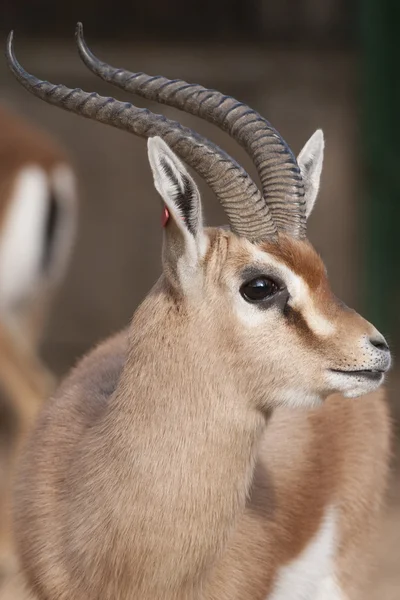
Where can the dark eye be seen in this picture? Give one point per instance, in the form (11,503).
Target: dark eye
(259,289)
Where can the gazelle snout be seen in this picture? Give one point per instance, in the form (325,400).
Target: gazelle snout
(363,367)
(379,342)
(381,352)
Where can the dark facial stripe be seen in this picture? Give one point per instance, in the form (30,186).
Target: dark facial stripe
(296,320)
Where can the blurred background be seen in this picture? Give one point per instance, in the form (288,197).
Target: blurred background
(303,64)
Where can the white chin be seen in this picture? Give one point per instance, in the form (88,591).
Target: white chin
(352,386)
(294,398)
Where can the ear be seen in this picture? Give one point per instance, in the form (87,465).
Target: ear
(184,236)
(310,162)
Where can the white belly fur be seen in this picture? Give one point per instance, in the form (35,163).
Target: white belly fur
(311,575)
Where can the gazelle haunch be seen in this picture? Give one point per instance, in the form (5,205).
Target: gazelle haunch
(172,463)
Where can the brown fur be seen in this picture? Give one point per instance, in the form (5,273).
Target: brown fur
(301,259)
(157,470)
(23,143)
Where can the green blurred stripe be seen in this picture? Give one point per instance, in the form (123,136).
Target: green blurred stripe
(380,106)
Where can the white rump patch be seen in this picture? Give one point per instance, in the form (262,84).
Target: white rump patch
(22,235)
(311,575)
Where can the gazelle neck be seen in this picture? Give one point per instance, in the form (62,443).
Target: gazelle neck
(187,442)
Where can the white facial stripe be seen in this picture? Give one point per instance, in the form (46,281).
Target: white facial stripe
(301,297)
(302,300)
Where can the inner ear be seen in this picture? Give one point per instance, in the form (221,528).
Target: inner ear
(310,162)
(176,187)
(184,194)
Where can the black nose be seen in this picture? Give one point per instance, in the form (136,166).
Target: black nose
(380,343)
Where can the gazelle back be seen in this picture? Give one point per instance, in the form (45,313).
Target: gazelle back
(164,466)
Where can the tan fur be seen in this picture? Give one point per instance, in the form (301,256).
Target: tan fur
(25,382)
(336,454)
(161,470)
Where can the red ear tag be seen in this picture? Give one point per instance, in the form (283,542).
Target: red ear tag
(165,217)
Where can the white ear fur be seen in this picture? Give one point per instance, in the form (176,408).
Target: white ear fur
(176,187)
(310,162)
(185,240)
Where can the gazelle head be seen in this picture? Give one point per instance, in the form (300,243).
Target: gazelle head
(268,301)
(257,290)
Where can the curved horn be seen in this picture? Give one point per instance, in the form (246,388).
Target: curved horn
(246,209)
(277,167)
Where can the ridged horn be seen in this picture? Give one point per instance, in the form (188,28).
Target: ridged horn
(247,212)
(276,165)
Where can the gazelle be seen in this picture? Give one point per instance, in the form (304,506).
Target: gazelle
(174,462)
(37,224)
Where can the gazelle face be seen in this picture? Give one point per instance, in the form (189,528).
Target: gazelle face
(291,334)
(265,308)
